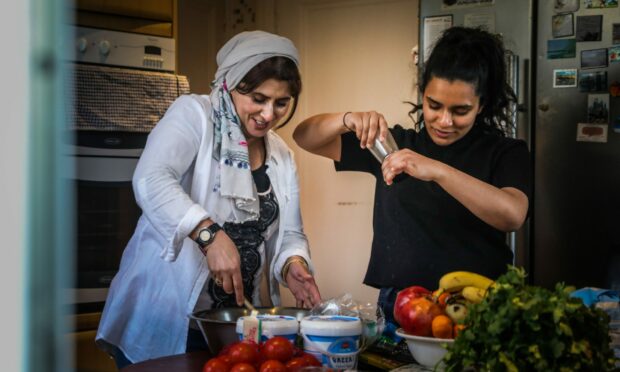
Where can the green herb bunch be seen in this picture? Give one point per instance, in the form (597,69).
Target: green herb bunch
(527,328)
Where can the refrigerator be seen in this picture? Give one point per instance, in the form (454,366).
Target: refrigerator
(562,61)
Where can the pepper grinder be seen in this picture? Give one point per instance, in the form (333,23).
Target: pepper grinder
(381,149)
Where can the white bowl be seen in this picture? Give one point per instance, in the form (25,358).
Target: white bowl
(427,351)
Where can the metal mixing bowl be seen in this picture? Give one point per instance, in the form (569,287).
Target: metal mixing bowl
(218,326)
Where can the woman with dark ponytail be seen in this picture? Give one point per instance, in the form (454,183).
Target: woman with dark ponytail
(466,183)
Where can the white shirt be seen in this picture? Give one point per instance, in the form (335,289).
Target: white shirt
(162,270)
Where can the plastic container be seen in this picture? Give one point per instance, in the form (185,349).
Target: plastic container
(332,339)
(273,325)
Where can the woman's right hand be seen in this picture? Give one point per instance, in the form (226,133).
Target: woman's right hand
(225,265)
(367,126)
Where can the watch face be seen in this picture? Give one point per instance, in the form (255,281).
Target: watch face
(204,235)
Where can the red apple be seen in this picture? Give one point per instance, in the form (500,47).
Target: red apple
(405,295)
(416,316)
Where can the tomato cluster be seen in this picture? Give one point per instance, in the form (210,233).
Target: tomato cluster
(277,354)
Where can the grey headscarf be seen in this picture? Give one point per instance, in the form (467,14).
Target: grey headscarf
(236,58)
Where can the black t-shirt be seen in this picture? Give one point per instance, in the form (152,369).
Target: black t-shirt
(420,231)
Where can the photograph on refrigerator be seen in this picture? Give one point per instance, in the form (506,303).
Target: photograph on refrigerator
(594,58)
(565,78)
(562,25)
(588,132)
(592,81)
(598,108)
(594,4)
(615,33)
(589,28)
(564,6)
(614,54)
(561,48)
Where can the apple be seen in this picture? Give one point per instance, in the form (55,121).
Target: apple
(457,312)
(416,316)
(405,295)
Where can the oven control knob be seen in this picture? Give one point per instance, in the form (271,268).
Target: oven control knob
(82,45)
(104,47)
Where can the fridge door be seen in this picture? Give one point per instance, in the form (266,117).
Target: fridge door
(577,184)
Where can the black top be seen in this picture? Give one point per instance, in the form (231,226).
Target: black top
(420,231)
(248,237)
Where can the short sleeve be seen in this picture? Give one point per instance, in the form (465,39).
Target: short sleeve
(513,167)
(353,157)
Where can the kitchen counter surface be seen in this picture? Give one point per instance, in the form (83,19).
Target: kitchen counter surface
(189,362)
(193,362)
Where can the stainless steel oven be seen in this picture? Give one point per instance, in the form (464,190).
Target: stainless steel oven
(122,85)
(106,209)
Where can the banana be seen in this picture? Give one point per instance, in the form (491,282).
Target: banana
(457,280)
(473,294)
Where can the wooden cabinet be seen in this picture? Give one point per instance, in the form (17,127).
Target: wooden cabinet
(87,356)
(151,17)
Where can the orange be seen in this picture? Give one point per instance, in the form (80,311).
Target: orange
(458,328)
(442,300)
(442,326)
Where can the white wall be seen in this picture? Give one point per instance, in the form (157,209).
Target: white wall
(355,55)
(13,131)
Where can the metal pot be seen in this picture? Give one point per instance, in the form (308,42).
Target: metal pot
(218,326)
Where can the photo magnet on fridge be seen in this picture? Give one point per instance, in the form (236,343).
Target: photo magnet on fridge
(565,78)
(594,58)
(594,4)
(562,25)
(598,108)
(561,48)
(615,33)
(592,81)
(587,132)
(589,28)
(614,54)
(565,6)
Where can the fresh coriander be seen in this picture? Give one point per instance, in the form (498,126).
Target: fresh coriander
(527,328)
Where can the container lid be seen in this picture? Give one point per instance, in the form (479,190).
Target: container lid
(273,324)
(331,325)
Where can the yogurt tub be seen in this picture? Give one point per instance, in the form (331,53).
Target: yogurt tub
(332,339)
(273,325)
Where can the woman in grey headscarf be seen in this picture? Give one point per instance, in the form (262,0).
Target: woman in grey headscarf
(220,200)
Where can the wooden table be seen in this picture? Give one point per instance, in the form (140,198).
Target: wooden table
(189,362)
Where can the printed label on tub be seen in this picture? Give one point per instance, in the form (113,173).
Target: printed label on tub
(333,340)
(270,326)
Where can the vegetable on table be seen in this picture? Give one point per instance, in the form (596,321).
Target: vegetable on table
(518,327)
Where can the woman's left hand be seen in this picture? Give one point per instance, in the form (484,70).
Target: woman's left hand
(412,163)
(302,285)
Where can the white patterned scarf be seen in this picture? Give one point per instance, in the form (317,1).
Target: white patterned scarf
(238,56)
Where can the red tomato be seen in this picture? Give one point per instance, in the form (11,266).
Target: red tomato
(226,358)
(311,360)
(243,352)
(405,295)
(272,365)
(278,348)
(416,316)
(242,367)
(296,364)
(216,365)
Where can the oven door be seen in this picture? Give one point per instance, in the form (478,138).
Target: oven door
(107,212)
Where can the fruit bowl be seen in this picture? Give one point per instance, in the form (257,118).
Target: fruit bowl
(427,351)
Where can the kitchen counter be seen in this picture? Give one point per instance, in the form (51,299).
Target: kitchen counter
(193,362)
(189,362)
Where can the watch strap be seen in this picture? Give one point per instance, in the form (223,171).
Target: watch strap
(212,229)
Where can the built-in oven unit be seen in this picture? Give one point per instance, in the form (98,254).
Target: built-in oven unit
(122,84)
